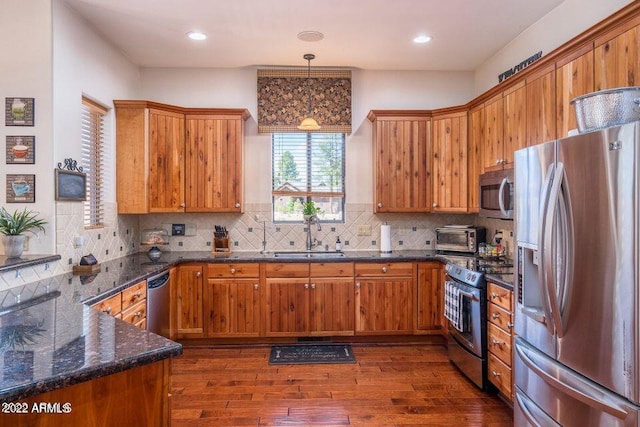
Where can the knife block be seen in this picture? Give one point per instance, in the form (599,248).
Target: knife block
(221,245)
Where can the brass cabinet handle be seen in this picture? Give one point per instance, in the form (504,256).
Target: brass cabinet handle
(256,286)
(233,271)
(379,204)
(384,269)
(495,374)
(496,342)
(137,314)
(198,274)
(237,205)
(495,295)
(495,315)
(306,286)
(108,310)
(435,205)
(182,205)
(137,295)
(313,286)
(358,285)
(509,325)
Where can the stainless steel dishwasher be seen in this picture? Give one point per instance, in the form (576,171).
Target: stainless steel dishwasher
(158,304)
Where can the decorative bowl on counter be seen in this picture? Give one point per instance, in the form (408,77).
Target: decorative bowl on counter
(154,237)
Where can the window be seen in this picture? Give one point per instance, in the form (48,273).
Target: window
(307,167)
(92,134)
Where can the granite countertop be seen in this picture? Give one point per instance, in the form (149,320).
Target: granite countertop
(8,264)
(64,341)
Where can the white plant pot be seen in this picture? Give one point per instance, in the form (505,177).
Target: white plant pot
(13,245)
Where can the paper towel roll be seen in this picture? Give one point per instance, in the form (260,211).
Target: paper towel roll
(385,238)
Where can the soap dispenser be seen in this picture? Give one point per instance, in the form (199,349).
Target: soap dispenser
(338,244)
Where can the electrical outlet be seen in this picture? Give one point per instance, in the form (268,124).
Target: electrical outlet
(364,230)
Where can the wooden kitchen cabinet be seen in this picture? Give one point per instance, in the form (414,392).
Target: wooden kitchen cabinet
(515,129)
(449,191)
(402,157)
(617,57)
(475,141)
(214,181)
(187,309)
(493,145)
(233,300)
(574,77)
(430,299)
(174,159)
(129,305)
(384,298)
(500,338)
(541,106)
(314,299)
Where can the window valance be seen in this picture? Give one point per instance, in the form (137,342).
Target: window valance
(282,100)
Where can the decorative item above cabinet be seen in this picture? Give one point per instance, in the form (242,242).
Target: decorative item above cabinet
(175,159)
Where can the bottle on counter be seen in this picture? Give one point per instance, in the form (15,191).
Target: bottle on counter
(338,244)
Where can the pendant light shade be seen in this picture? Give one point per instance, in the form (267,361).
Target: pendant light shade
(309,123)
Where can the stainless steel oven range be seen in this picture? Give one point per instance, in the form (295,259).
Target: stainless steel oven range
(466,311)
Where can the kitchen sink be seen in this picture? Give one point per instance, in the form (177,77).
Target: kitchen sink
(305,254)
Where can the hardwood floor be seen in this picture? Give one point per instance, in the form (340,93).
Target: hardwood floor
(408,385)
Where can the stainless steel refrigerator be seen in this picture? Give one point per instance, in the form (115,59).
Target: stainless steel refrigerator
(577,322)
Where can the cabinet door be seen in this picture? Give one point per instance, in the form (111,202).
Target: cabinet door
(384,306)
(214,163)
(493,147)
(188,301)
(515,111)
(166,161)
(450,163)
(402,175)
(474,157)
(617,57)
(541,106)
(430,299)
(574,77)
(332,306)
(233,307)
(287,307)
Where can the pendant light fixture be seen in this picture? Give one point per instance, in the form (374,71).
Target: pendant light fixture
(309,123)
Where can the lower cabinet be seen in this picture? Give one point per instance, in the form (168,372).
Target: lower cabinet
(232,300)
(500,338)
(430,298)
(384,298)
(304,300)
(187,318)
(129,305)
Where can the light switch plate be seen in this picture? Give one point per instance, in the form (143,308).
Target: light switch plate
(364,230)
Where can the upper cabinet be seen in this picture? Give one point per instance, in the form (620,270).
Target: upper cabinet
(173,159)
(574,77)
(474,156)
(493,146)
(617,57)
(541,106)
(515,114)
(450,183)
(402,153)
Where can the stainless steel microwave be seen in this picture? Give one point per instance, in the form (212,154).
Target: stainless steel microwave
(496,194)
(459,238)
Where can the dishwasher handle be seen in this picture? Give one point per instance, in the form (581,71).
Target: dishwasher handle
(157,281)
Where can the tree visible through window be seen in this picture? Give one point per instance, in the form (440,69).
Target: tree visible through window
(308,166)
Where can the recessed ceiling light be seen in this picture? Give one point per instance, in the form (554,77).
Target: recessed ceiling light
(196,35)
(422,39)
(310,36)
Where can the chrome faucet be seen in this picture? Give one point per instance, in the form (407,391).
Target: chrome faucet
(311,242)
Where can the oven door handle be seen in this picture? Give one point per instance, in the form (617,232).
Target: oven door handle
(469,295)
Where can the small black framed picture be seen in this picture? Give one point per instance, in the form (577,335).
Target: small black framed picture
(19,111)
(21,150)
(70,185)
(21,188)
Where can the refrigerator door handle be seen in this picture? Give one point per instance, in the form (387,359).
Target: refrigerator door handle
(544,202)
(536,416)
(503,210)
(569,383)
(550,256)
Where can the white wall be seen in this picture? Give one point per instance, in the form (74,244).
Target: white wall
(25,71)
(236,88)
(554,29)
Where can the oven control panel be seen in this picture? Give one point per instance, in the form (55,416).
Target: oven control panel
(456,272)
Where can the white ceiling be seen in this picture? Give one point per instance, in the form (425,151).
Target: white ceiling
(366,34)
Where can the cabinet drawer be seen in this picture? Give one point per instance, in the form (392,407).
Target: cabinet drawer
(331,269)
(384,269)
(500,375)
(287,269)
(499,295)
(499,343)
(134,294)
(112,305)
(217,271)
(136,312)
(500,317)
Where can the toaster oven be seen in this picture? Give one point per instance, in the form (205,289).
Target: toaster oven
(460,238)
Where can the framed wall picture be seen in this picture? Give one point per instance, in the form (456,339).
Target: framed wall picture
(21,150)
(19,111)
(21,188)
(71,185)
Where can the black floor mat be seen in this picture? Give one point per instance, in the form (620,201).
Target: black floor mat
(311,354)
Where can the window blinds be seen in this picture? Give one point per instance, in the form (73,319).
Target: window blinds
(92,135)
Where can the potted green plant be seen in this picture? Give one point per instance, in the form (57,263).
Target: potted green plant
(14,225)
(310,211)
